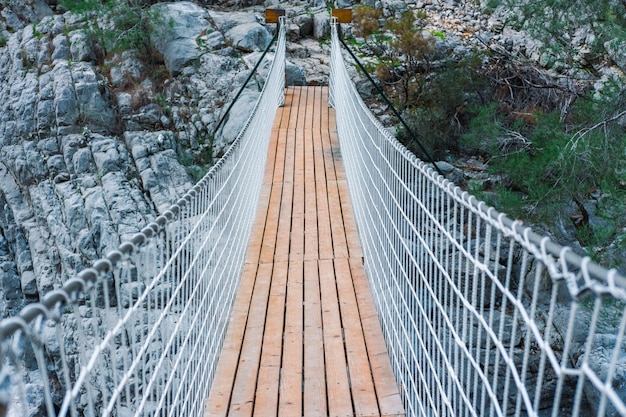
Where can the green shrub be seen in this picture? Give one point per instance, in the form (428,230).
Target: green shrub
(120,25)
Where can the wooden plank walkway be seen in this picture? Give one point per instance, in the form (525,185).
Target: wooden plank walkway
(303,337)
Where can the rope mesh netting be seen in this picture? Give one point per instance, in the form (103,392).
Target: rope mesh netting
(481,316)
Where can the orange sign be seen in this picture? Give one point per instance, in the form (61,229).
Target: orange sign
(343,15)
(272,15)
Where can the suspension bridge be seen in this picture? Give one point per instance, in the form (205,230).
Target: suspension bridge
(321,269)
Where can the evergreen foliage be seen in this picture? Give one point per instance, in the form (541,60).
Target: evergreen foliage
(547,144)
(119,25)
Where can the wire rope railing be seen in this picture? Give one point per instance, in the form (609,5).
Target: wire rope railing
(481,316)
(139,333)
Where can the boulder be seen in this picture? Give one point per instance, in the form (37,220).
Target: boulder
(159,170)
(615,50)
(212,41)
(178,44)
(321,25)
(81,46)
(61,48)
(294,74)
(305,25)
(239,114)
(226,21)
(600,361)
(249,37)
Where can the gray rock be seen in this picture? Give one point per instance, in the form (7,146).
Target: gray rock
(65,101)
(249,37)
(451,172)
(28,283)
(94,107)
(10,281)
(81,46)
(128,70)
(226,21)
(600,359)
(178,44)
(109,154)
(11,20)
(159,170)
(294,74)
(45,115)
(617,53)
(35,399)
(305,25)
(237,118)
(61,48)
(321,25)
(82,161)
(212,41)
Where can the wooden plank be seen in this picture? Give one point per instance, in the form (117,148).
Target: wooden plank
(266,398)
(340,172)
(328,125)
(222,387)
(294,94)
(340,245)
(310,224)
(278,155)
(334,170)
(338,386)
(290,400)
(258,228)
(282,114)
(314,396)
(286,207)
(310,199)
(271,226)
(349,222)
(320,105)
(244,388)
(301,123)
(363,392)
(389,400)
(325,245)
(296,249)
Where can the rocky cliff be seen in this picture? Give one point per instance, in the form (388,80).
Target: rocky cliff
(93,147)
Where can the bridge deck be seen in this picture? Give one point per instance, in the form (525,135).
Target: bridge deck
(303,338)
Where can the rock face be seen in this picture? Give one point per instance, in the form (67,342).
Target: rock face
(184,22)
(90,154)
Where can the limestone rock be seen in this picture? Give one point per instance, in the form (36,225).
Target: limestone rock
(321,25)
(249,37)
(178,43)
(616,52)
(225,21)
(81,46)
(238,116)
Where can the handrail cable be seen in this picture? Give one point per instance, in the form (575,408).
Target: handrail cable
(256,66)
(139,333)
(481,316)
(380,91)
